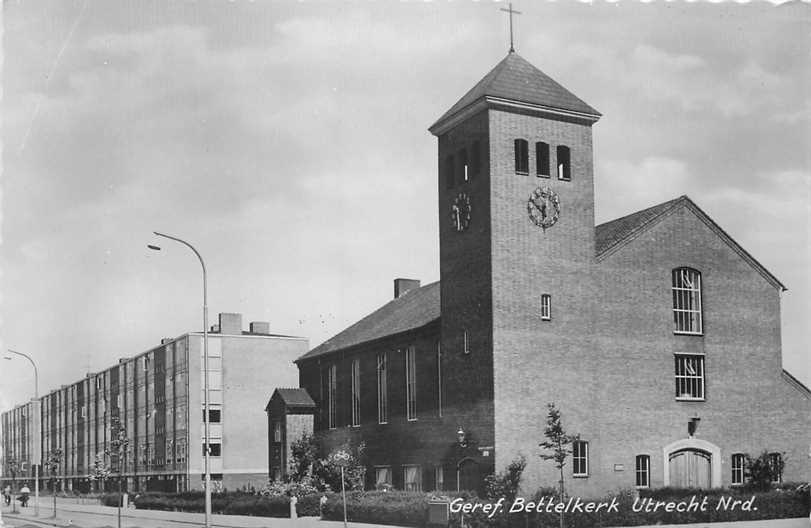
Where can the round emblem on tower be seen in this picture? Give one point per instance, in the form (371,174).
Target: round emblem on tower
(543,207)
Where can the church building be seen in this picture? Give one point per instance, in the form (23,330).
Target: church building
(656,335)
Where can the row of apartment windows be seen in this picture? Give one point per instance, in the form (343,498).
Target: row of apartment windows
(542,160)
(461,169)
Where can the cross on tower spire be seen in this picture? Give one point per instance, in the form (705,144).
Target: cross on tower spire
(511,11)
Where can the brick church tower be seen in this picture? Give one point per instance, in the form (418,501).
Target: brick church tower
(516,229)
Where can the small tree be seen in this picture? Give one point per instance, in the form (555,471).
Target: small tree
(763,470)
(557,446)
(506,483)
(100,471)
(303,456)
(118,449)
(52,462)
(329,470)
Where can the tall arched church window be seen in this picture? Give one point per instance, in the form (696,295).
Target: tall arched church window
(521,156)
(687,301)
(564,164)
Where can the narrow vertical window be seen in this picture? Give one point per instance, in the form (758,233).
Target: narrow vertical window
(546,307)
(542,159)
(382,399)
(439,478)
(776,466)
(737,468)
(689,377)
(449,176)
(580,458)
(465,343)
(355,392)
(332,392)
(564,165)
(687,301)
(464,174)
(411,383)
(642,471)
(521,156)
(476,158)
(439,377)
(277,432)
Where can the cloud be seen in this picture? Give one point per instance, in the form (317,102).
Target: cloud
(623,187)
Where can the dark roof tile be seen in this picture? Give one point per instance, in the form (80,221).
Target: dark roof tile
(414,309)
(515,79)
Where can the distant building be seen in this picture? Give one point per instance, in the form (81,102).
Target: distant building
(656,334)
(158,397)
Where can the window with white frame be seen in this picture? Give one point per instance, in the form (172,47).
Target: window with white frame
(382,477)
(642,471)
(412,480)
(689,376)
(546,307)
(411,383)
(465,342)
(776,466)
(580,458)
(687,301)
(738,461)
(332,392)
(382,394)
(355,392)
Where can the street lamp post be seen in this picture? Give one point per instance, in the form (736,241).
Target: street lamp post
(37,418)
(207,475)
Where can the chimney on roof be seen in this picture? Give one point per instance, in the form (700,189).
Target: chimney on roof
(401,286)
(215,329)
(231,323)
(259,327)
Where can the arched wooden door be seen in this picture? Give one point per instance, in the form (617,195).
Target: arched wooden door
(469,475)
(690,468)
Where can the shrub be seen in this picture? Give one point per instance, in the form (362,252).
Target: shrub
(402,508)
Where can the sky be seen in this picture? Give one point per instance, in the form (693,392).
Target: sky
(288,142)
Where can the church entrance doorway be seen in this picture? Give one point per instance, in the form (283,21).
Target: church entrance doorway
(690,468)
(468,471)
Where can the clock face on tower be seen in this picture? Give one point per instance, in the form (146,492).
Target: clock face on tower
(543,207)
(460,212)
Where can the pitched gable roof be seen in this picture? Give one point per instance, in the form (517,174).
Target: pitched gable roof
(515,79)
(294,398)
(612,235)
(414,309)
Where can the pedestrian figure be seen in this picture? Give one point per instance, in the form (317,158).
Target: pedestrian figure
(24,493)
(7,495)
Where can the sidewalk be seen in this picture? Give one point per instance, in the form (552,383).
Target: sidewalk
(96,516)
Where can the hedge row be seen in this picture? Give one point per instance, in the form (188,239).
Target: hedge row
(227,503)
(411,508)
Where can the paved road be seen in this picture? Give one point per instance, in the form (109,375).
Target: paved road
(75,515)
